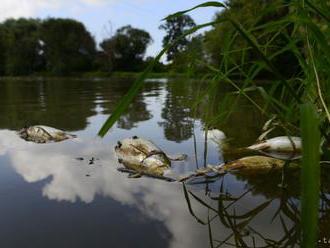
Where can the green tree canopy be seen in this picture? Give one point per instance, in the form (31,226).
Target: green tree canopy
(174,28)
(2,51)
(127,48)
(20,46)
(192,58)
(67,45)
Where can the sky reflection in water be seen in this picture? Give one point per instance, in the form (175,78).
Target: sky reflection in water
(49,198)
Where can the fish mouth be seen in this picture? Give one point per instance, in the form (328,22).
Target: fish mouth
(22,133)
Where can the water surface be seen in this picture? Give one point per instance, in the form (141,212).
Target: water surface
(49,198)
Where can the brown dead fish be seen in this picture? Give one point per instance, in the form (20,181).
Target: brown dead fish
(250,164)
(253,163)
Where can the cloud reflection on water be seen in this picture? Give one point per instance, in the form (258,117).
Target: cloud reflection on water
(68,182)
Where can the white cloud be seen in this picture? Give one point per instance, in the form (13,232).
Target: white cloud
(29,8)
(15,9)
(95,1)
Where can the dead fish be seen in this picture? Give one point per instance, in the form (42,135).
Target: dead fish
(142,155)
(282,144)
(283,155)
(249,164)
(253,163)
(44,134)
(216,135)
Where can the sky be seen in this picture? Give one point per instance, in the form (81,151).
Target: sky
(103,17)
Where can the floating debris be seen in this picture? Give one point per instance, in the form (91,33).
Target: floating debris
(91,161)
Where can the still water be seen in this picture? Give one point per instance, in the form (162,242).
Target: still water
(49,198)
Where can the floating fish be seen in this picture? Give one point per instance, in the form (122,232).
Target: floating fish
(44,134)
(249,164)
(282,144)
(216,135)
(144,157)
(283,155)
(253,163)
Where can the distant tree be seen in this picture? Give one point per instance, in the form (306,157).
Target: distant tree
(2,51)
(189,59)
(102,62)
(158,66)
(67,45)
(126,49)
(21,46)
(174,28)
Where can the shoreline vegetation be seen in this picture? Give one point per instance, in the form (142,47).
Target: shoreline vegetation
(64,47)
(92,75)
(132,76)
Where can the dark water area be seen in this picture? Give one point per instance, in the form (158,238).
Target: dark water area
(49,198)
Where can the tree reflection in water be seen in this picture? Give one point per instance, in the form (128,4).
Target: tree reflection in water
(176,122)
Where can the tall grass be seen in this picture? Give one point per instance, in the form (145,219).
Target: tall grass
(308,90)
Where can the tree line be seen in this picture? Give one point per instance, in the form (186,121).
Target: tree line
(63,46)
(59,46)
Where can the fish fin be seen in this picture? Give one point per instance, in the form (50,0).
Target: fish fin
(134,175)
(264,134)
(260,146)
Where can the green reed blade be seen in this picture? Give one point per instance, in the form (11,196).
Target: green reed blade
(186,195)
(310,175)
(210,230)
(318,10)
(203,5)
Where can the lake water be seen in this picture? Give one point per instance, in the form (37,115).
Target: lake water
(49,198)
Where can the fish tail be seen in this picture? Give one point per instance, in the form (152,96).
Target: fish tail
(71,136)
(260,146)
